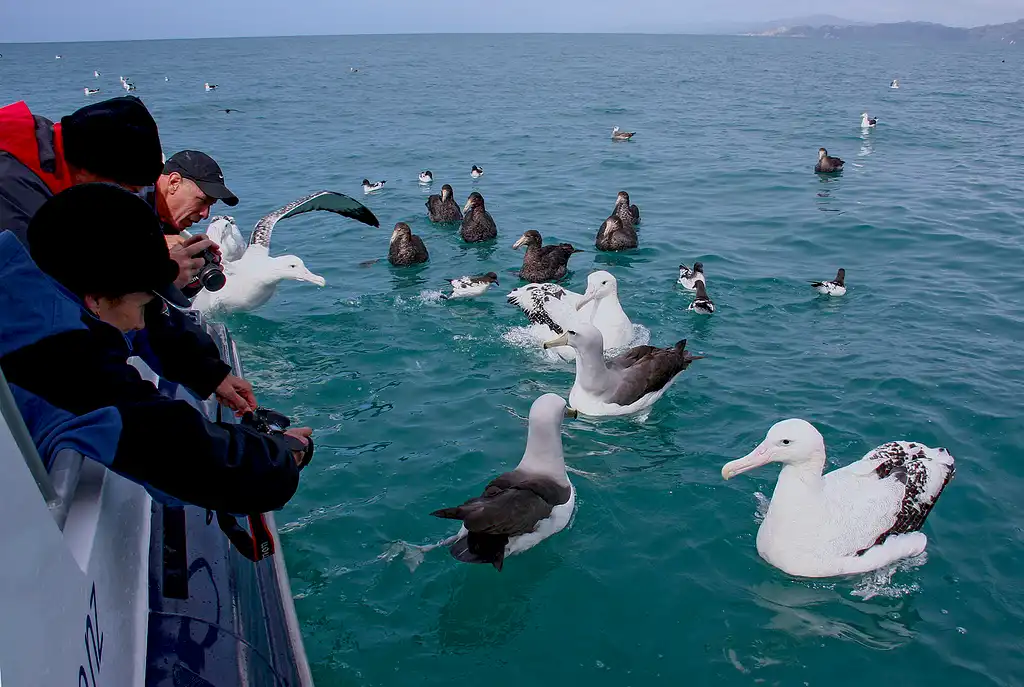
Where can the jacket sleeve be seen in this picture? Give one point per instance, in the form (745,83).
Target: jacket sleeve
(164,443)
(21,194)
(186,354)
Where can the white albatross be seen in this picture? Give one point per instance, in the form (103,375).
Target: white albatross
(625,385)
(521,508)
(867,122)
(253,276)
(553,310)
(852,520)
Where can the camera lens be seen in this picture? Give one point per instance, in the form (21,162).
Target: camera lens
(211,276)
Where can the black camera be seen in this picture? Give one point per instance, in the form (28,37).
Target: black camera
(267,421)
(211,276)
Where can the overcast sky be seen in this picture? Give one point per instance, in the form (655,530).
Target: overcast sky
(68,20)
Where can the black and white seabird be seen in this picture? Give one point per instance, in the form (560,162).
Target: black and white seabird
(468,287)
(406,247)
(543,263)
(476,172)
(477,223)
(443,208)
(688,278)
(836,287)
(521,508)
(702,304)
(370,187)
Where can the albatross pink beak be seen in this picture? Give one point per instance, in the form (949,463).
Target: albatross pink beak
(755,459)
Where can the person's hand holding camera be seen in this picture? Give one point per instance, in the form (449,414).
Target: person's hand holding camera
(190,257)
(236,393)
(303,434)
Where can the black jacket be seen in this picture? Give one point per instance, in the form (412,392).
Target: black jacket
(164,443)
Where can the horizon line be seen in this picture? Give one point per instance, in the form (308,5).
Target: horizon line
(638,32)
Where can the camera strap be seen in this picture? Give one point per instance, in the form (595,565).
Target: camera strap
(256,543)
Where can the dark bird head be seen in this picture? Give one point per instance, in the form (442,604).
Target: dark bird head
(447,192)
(531,238)
(491,277)
(623,197)
(822,153)
(612,224)
(402,231)
(475,201)
(366,182)
(698,267)
(841,277)
(477,169)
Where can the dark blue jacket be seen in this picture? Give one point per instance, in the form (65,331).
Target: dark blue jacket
(53,349)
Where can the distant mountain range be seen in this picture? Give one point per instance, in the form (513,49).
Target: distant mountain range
(914,31)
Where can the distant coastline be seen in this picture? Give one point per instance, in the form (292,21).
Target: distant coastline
(914,31)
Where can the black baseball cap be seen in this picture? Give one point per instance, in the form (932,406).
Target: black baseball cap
(204,171)
(102,240)
(116,139)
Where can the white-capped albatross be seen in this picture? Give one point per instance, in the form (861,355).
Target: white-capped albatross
(521,508)
(252,279)
(852,520)
(627,384)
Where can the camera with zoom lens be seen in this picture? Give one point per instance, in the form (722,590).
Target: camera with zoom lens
(267,421)
(211,276)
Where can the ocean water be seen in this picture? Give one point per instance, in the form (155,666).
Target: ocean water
(418,403)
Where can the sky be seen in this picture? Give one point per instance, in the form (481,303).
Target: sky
(86,20)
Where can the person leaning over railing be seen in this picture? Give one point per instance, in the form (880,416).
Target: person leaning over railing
(63,339)
(114,141)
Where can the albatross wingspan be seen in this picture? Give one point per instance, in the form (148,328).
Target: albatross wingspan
(330,201)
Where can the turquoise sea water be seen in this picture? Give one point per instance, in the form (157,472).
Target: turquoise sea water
(417,404)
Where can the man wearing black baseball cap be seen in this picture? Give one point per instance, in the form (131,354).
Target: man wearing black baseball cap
(191,182)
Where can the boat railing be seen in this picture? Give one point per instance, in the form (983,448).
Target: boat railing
(58,484)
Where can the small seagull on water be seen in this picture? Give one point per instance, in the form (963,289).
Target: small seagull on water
(702,304)
(618,135)
(426,177)
(836,287)
(467,287)
(375,186)
(866,121)
(688,278)
(96,74)
(92,91)
(476,172)
(210,86)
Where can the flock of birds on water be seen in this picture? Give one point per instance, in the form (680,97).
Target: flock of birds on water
(862,517)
